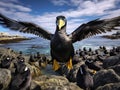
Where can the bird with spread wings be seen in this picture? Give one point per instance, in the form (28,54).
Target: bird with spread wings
(61,44)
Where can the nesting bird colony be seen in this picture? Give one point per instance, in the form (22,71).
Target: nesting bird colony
(92,70)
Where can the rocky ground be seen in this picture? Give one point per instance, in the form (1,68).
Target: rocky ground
(105,75)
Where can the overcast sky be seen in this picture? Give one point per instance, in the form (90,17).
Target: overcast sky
(44,12)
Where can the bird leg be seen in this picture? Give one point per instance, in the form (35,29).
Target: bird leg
(56,66)
(69,64)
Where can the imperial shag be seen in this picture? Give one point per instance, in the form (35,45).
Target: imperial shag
(62,43)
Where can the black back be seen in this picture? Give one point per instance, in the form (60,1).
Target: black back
(84,79)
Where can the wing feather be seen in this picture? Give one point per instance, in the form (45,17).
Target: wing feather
(25,27)
(94,27)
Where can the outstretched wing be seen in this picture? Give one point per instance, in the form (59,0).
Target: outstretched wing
(94,27)
(25,27)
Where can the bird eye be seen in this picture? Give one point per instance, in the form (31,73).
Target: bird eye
(64,19)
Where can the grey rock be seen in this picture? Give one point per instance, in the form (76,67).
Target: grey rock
(105,77)
(111,61)
(111,86)
(52,82)
(5,79)
(116,68)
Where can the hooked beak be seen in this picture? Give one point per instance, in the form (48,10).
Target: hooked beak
(61,23)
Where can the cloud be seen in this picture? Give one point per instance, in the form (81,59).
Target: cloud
(14,7)
(112,14)
(89,8)
(13,1)
(60,2)
(84,8)
(76,2)
(67,2)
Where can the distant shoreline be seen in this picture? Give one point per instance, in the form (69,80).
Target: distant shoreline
(5,40)
(113,36)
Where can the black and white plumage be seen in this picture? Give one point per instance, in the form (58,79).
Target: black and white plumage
(61,44)
(21,79)
(92,64)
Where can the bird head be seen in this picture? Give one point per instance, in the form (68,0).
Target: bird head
(82,69)
(60,22)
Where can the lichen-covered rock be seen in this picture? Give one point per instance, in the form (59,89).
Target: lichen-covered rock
(7,52)
(52,82)
(5,78)
(35,70)
(105,77)
(35,86)
(111,86)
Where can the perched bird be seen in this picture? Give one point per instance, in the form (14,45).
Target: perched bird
(76,59)
(90,49)
(20,59)
(34,64)
(43,62)
(32,59)
(38,56)
(114,51)
(18,63)
(84,49)
(84,79)
(118,49)
(61,44)
(21,79)
(93,65)
(6,62)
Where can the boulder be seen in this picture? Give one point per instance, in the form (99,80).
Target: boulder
(5,78)
(111,86)
(111,61)
(105,77)
(116,68)
(52,82)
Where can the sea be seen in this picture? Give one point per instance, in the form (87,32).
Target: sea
(42,46)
